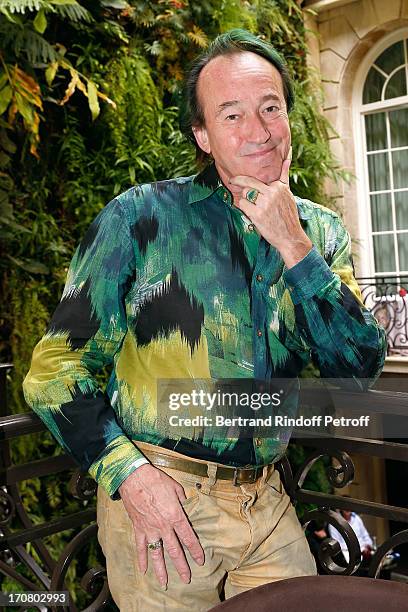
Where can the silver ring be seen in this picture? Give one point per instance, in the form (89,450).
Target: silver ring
(155,545)
(252,195)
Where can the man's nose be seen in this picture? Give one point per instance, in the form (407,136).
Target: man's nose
(256,130)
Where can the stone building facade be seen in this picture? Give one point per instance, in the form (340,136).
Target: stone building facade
(358,50)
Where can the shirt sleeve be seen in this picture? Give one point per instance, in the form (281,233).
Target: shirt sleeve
(85,333)
(344,338)
(362,534)
(335,534)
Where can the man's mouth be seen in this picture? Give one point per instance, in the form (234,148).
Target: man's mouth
(259,154)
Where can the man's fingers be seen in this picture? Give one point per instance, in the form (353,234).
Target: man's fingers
(162,522)
(247,181)
(180,493)
(176,554)
(289,157)
(157,558)
(246,207)
(284,175)
(189,539)
(141,548)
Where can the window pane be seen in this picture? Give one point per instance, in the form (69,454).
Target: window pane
(381,212)
(400,165)
(376,132)
(397,85)
(399,127)
(401,209)
(378,172)
(384,257)
(403,251)
(392,57)
(373,86)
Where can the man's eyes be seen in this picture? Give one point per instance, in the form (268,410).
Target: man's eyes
(271,109)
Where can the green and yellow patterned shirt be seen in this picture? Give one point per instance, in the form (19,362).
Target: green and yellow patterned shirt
(172,281)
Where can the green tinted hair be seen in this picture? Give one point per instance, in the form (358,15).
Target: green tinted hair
(229,43)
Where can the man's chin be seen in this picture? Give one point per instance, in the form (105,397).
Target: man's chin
(267,175)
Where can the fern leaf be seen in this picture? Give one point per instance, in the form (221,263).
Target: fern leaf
(198,37)
(72,11)
(36,48)
(21,6)
(115,30)
(154,49)
(69,9)
(176,72)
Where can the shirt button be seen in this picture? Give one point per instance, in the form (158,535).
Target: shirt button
(259,277)
(259,333)
(225,196)
(251,227)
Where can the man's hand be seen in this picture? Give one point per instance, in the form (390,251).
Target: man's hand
(275,214)
(152,500)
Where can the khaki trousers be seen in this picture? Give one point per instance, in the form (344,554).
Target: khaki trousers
(250,535)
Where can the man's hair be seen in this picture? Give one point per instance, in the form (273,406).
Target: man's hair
(227,44)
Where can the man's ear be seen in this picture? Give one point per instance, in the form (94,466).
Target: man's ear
(201,136)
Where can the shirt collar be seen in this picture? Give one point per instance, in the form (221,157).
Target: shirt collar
(207,182)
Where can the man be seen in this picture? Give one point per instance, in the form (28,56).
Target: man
(363,537)
(221,275)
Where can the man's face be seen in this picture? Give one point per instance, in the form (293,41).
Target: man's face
(246,126)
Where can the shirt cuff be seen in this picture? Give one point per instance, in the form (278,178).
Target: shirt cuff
(119,460)
(132,468)
(309,276)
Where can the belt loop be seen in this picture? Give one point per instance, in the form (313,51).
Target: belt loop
(266,472)
(212,477)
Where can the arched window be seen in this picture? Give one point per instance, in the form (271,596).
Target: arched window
(384,107)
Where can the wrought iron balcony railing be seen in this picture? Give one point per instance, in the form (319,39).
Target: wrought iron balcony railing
(387,298)
(50,574)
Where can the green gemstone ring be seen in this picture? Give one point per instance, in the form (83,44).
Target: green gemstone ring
(252,195)
(155,545)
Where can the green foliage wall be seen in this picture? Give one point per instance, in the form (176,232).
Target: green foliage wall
(87,97)
(87,109)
